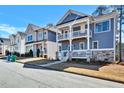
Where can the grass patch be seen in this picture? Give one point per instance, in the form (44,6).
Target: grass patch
(111,72)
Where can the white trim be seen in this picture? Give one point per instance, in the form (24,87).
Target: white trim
(104,17)
(29,44)
(88,34)
(97,44)
(70,23)
(79,57)
(69,12)
(70,38)
(101,22)
(102,49)
(79,50)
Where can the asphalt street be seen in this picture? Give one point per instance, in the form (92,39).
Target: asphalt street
(14,75)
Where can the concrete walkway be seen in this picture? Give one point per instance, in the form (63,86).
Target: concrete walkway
(27,60)
(53,63)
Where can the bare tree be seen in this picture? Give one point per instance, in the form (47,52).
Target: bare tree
(100,10)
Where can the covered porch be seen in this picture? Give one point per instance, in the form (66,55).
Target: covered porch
(41,47)
(76,49)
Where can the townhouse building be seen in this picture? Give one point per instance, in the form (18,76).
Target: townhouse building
(43,39)
(4,45)
(12,43)
(17,43)
(82,36)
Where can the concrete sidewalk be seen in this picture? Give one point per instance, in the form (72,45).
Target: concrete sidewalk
(28,60)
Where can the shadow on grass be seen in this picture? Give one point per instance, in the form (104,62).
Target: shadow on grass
(61,66)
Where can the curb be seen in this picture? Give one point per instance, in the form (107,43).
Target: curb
(75,73)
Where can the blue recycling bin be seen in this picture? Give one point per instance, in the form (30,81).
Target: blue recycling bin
(9,58)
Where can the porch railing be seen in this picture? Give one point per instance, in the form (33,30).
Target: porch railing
(74,53)
(78,53)
(79,33)
(63,36)
(74,34)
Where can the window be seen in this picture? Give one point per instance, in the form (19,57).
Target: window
(86,26)
(60,48)
(102,26)
(95,45)
(105,25)
(75,47)
(77,28)
(29,38)
(18,40)
(82,45)
(45,35)
(40,36)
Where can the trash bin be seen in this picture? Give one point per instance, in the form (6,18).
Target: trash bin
(13,58)
(9,58)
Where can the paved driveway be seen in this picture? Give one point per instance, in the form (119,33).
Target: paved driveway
(14,75)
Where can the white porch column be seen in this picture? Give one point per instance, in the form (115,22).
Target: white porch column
(70,39)
(88,41)
(57,43)
(88,35)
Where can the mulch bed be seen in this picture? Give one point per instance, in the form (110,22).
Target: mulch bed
(85,65)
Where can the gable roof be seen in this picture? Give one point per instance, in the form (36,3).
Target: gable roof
(21,34)
(33,27)
(4,40)
(12,36)
(71,15)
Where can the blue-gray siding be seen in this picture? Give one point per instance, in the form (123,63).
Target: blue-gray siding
(51,36)
(105,38)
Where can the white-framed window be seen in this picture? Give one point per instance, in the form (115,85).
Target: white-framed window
(102,26)
(17,40)
(81,45)
(74,46)
(40,36)
(95,44)
(45,35)
(77,28)
(29,38)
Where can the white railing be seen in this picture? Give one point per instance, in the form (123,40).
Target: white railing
(79,33)
(79,53)
(63,36)
(74,34)
(63,55)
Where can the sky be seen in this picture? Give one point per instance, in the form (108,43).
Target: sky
(15,18)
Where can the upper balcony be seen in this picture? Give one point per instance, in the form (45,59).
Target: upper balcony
(64,36)
(73,35)
(78,34)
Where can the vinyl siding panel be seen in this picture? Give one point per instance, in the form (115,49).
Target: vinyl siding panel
(105,38)
(51,36)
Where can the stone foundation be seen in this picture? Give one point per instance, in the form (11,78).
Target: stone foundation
(103,55)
